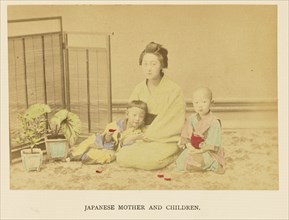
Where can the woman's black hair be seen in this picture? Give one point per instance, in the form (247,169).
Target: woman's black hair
(158,50)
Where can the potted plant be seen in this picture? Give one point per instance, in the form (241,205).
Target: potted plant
(63,130)
(32,130)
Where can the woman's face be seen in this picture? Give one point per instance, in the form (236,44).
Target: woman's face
(151,66)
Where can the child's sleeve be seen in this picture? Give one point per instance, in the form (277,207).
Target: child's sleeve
(187,129)
(99,140)
(213,139)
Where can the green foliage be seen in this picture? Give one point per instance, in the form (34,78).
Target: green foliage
(67,123)
(33,124)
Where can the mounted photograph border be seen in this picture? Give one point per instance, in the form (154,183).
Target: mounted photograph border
(42,204)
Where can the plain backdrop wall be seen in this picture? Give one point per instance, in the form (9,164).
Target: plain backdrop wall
(230,48)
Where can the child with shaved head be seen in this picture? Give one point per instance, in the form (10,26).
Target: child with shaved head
(201,137)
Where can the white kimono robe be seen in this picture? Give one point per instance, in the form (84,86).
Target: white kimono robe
(167,103)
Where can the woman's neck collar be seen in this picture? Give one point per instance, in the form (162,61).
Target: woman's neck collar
(155,82)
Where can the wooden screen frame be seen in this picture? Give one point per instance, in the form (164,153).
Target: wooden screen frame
(15,150)
(106,48)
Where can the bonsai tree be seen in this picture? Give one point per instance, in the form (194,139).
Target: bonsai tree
(33,124)
(65,123)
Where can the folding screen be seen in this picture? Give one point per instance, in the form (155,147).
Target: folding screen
(88,79)
(70,72)
(35,66)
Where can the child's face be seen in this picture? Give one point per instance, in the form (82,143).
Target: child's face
(202,103)
(135,117)
(151,66)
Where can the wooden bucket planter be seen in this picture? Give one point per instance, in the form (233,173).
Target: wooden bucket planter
(57,149)
(32,162)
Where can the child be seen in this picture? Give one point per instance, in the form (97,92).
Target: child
(201,136)
(101,148)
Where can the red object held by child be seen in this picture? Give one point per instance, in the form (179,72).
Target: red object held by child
(111,130)
(196,140)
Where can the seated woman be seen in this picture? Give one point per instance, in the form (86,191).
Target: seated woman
(166,114)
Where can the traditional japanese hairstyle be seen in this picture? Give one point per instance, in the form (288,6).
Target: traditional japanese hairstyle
(158,50)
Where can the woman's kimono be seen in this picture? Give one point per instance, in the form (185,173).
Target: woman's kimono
(166,108)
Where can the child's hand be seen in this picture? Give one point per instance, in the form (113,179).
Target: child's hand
(132,138)
(193,150)
(182,143)
(108,135)
(139,136)
(111,131)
